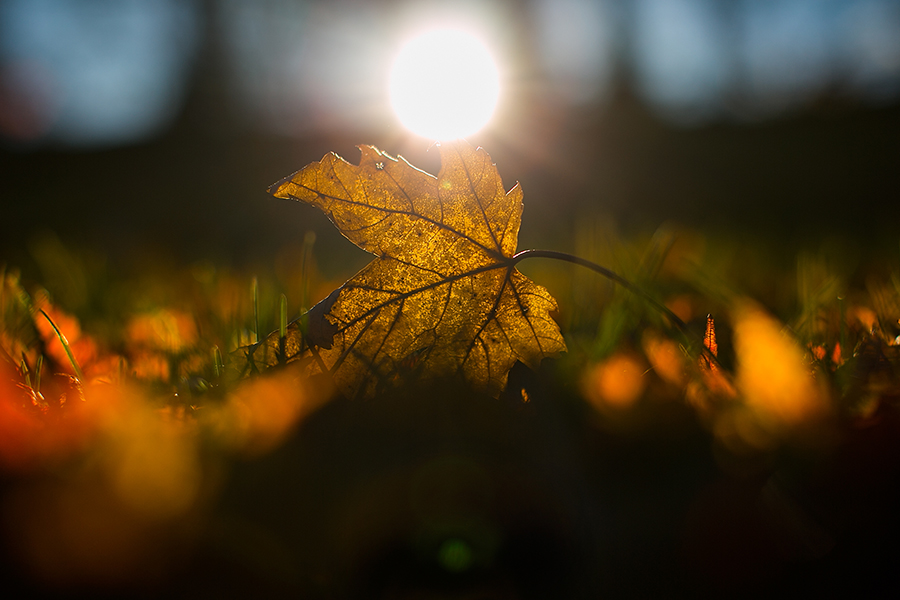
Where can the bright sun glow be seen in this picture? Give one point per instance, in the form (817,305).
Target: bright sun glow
(444,84)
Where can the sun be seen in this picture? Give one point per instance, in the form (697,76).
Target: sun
(444,84)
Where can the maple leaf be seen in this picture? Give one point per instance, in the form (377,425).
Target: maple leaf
(442,297)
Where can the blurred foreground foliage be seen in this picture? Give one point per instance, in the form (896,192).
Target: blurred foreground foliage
(118,434)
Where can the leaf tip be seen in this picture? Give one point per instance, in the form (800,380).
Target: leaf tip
(276,187)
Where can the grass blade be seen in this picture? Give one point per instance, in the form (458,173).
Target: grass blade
(254,286)
(38,366)
(282,313)
(218,365)
(65,345)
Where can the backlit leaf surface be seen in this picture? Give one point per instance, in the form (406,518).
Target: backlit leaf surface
(442,297)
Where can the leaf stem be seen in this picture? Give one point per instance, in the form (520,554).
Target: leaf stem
(675,319)
(612,275)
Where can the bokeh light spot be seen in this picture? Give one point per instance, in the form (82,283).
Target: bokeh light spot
(772,372)
(617,382)
(455,555)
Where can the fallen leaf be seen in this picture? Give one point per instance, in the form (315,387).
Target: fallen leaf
(715,379)
(709,342)
(443,297)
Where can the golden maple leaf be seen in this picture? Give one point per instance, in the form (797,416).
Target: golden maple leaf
(443,297)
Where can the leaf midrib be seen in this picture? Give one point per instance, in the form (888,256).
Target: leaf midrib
(496,253)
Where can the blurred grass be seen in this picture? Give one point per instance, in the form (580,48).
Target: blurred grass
(107,469)
(166,327)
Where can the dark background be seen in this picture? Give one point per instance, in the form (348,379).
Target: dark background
(775,120)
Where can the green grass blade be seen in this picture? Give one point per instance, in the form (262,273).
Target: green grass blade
(23,367)
(283,321)
(254,286)
(38,366)
(218,364)
(66,347)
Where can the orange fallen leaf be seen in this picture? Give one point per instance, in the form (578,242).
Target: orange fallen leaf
(715,379)
(709,342)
